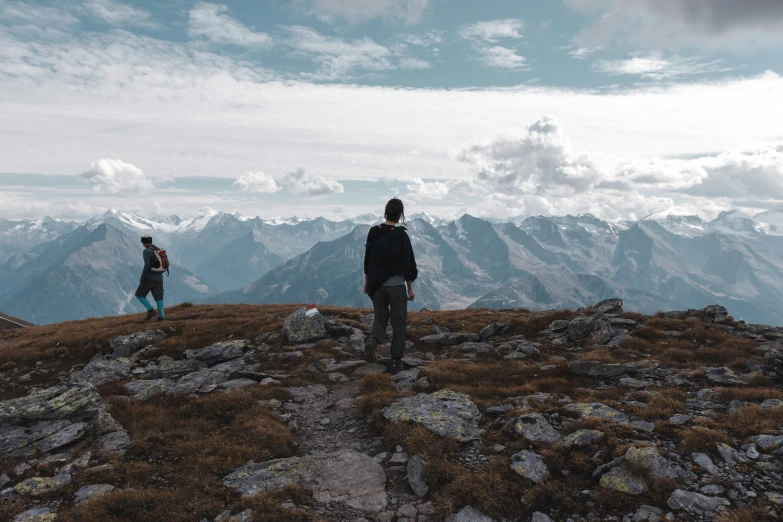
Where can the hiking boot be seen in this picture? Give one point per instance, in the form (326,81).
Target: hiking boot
(395,367)
(369,350)
(161,319)
(150,314)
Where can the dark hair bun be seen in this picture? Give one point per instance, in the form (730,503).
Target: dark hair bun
(395,210)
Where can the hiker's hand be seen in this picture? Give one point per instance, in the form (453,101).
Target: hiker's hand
(411,295)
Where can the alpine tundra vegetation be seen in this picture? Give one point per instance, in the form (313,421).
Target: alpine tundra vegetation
(264,413)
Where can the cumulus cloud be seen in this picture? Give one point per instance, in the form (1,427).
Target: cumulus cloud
(675,23)
(256,182)
(213,22)
(540,169)
(655,66)
(355,11)
(116,13)
(494,30)
(118,178)
(301,183)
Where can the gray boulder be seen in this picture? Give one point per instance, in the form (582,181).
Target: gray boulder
(126,345)
(695,502)
(649,459)
(724,376)
(92,492)
(535,428)
(192,382)
(492,330)
(530,466)
(583,437)
(622,480)
(471,347)
(469,514)
(608,306)
(446,413)
(304,326)
(343,476)
(705,462)
(219,352)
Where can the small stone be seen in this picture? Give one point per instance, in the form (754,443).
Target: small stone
(712,489)
(540,517)
(415,471)
(530,465)
(680,419)
(469,514)
(583,437)
(39,514)
(38,486)
(597,410)
(705,462)
(621,480)
(724,376)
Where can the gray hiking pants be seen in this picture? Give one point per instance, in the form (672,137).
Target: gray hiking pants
(391,302)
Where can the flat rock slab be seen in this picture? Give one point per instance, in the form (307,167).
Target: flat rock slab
(450,338)
(91,492)
(192,382)
(344,476)
(445,413)
(58,402)
(37,486)
(304,326)
(219,352)
(103,372)
(695,502)
(597,410)
(649,459)
(126,345)
(42,437)
(621,479)
(143,390)
(168,368)
(583,437)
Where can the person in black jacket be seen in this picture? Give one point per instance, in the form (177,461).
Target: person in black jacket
(151,281)
(389,273)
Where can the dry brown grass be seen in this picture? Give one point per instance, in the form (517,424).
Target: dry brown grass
(700,439)
(754,394)
(755,513)
(752,420)
(378,391)
(492,381)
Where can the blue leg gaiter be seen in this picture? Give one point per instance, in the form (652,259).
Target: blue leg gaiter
(161,312)
(145,302)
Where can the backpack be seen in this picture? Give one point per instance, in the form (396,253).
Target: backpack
(160,262)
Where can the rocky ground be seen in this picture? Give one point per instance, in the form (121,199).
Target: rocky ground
(240,413)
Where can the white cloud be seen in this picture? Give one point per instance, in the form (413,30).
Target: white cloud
(494,30)
(427,39)
(22,12)
(655,66)
(581,53)
(116,13)
(355,11)
(342,59)
(301,183)
(502,58)
(213,22)
(256,182)
(673,24)
(118,178)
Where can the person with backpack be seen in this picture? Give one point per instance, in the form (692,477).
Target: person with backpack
(389,272)
(155,263)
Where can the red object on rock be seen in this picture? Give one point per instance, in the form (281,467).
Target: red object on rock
(310,307)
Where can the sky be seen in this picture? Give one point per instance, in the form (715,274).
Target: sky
(619,108)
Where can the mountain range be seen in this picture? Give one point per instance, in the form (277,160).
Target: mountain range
(53,270)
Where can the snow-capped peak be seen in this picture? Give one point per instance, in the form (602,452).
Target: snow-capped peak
(737,222)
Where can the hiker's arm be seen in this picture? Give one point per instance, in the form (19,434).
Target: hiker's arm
(411,270)
(147,260)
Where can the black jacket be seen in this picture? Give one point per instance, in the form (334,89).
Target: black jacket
(388,253)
